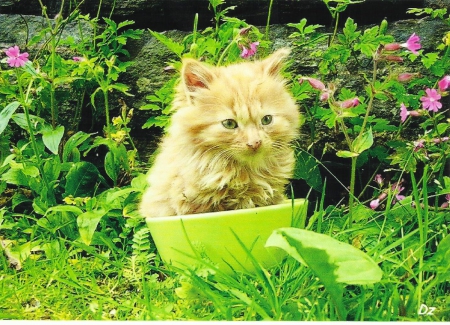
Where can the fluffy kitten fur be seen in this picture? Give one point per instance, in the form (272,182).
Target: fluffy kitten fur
(229,142)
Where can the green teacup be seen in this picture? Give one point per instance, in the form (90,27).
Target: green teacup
(220,236)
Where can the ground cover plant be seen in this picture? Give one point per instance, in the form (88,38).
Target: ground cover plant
(74,247)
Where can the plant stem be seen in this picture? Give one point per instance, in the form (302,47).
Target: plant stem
(24,101)
(268,20)
(422,230)
(351,198)
(222,56)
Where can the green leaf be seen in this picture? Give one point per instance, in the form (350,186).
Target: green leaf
(87,223)
(52,168)
(52,137)
(81,179)
(346,154)
(171,45)
(70,149)
(363,142)
(111,168)
(5,115)
(334,262)
(306,168)
(350,30)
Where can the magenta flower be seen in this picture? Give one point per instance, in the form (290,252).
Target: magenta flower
(444,83)
(413,43)
(15,58)
(431,101)
(248,52)
(78,58)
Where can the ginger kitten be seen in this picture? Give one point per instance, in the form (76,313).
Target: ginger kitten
(229,142)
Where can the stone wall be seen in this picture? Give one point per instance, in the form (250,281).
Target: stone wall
(21,19)
(178,14)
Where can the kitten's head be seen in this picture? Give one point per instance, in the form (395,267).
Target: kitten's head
(241,111)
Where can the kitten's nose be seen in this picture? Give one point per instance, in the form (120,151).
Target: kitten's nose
(254,145)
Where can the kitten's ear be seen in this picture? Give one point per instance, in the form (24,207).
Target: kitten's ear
(196,75)
(273,64)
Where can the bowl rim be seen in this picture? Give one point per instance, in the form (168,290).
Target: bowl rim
(227,213)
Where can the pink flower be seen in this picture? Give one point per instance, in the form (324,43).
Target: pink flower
(352,102)
(439,140)
(374,204)
(248,52)
(413,43)
(431,101)
(444,83)
(403,113)
(15,58)
(418,144)
(446,204)
(379,179)
(78,58)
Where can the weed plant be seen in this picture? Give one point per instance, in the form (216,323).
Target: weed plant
(74,247)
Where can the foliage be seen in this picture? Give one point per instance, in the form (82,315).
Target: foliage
(74,247)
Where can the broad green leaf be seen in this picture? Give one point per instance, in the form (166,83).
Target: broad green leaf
(70,149)
(350,265)
(442,257)
(111,168)
(363,142)
(52,137)
(306,168)
(334,262)
(65,208)
(52,168)
(87,223)
(81,179)
(5,115)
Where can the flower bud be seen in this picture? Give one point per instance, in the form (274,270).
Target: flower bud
(392,47)
(352,102)
(439,140)
(315,83)
(374,204)
(444,83)
(405,77)
(325,95)
(394,58)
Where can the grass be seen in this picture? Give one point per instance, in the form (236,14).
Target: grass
(82,283)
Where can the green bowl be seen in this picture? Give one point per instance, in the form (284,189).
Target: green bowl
(220,237)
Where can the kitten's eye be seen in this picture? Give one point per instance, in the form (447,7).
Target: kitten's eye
(266,120)
(229,124)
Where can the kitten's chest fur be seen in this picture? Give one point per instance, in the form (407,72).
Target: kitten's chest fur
(230,185)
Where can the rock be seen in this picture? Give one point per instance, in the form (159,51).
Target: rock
(178,14)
